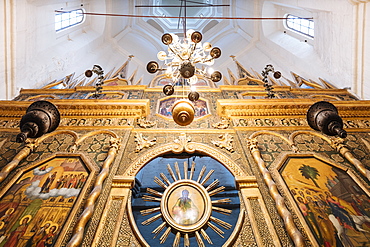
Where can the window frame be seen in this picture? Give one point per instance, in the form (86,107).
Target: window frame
(79,12)
(288,26)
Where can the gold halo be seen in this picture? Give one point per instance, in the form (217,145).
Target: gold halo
(56,227)
(49,221)
(27,216)
(8,211)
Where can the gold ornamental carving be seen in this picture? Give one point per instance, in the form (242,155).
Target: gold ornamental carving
(184,144)
(285,107)
(226,142)
(223,124)
(84,108)
(144,123)
(143,142)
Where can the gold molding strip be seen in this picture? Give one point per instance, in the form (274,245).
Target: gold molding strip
(238,227)
(246,182)
(87,107)
(287,217)
(285,107)
(133,225)
(78,231)
(123,182)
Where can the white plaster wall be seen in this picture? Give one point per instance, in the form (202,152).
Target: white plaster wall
(328,55)
(3,80)
(37,55)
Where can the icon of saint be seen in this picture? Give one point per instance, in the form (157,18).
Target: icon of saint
(184,211)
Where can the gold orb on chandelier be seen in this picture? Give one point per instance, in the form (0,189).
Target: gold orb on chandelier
(183,112)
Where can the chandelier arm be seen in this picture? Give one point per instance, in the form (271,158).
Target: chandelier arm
(176,53)
(195,45)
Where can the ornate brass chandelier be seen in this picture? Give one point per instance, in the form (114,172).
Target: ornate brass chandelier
(180,65)
(181,60)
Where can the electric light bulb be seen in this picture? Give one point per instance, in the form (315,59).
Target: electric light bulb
(189,33)
(210,62)
(162,55)
(207,46)
(175,38)
(210,70)
(193,80)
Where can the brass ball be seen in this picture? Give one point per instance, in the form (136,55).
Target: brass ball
(183,112)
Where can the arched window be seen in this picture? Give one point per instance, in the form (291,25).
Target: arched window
(68,19)
(300,25)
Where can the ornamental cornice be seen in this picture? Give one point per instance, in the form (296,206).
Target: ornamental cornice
(286,107)
(86,107)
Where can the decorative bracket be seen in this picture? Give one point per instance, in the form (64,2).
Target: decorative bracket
(144,123)
(226,141)
(143,142)
(223,124)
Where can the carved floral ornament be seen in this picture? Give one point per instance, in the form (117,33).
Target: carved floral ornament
(226,142)
(144,123)
(223,124)
(143,142)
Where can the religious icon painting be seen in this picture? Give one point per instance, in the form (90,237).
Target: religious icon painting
(333,204)
(164,107)
(186,206)
(37,205)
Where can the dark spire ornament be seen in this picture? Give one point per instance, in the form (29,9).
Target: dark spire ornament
(269,88)
(323,116)
(41,117)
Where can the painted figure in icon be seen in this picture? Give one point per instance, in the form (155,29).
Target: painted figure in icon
(18,232)
(185,212)
(38,235)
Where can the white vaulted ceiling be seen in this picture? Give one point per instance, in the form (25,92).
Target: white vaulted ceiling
(34,54)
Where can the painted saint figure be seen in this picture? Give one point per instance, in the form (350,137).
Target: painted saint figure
(184,211)
(39,234)
(48,182)
(18,232)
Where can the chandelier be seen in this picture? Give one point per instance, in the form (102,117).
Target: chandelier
(181,60)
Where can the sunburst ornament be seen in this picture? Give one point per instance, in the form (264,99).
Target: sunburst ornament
(186,206)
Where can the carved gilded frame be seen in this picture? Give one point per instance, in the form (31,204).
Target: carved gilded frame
(74,210)
(275,169)
(184,144)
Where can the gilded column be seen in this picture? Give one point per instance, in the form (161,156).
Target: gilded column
(338,145)
(78,231)
(292,230)
(29,147)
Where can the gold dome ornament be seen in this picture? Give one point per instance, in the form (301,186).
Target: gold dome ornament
(183,112)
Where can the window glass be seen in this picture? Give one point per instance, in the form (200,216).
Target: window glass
(68,19)
(300,25)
